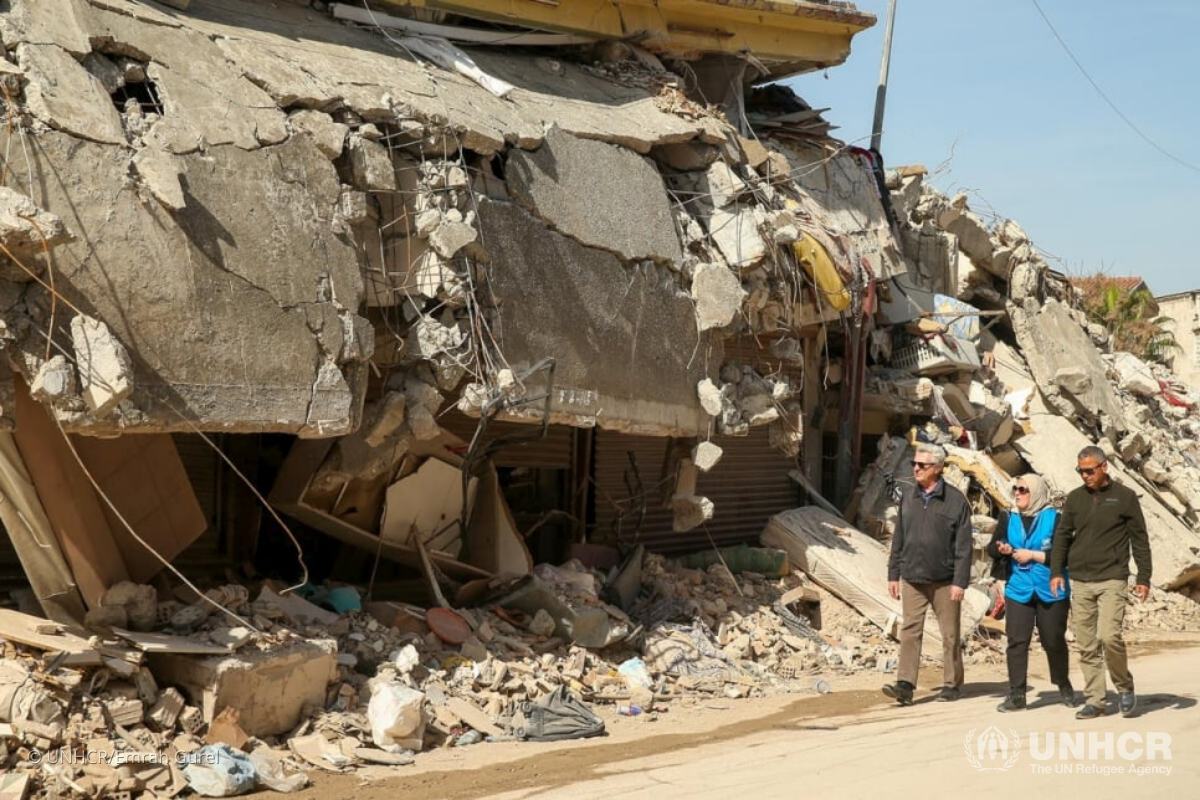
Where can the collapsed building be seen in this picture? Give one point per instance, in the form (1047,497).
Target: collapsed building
(394,309)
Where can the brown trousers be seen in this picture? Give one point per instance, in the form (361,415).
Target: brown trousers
(915,600)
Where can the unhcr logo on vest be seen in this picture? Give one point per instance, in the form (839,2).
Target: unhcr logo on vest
(1076,753)
(994,750)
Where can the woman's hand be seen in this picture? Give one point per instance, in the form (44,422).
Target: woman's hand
(1004,548)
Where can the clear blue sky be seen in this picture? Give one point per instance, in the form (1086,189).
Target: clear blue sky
(986,86)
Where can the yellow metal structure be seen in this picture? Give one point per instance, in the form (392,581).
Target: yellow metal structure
(787,36)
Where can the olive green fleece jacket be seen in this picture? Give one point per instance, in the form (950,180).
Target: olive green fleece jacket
(1096,532)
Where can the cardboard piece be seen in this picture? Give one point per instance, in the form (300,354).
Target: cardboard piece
(144,477)
(71,504)
(141,474)
(287,496)
(426,504)
(493,541)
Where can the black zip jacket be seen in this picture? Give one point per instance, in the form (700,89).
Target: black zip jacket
(1097,531)
(932,543)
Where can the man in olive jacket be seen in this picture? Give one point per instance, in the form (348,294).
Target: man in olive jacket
(930,566)
(1100,524)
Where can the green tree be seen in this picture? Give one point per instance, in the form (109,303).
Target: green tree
(1131,317)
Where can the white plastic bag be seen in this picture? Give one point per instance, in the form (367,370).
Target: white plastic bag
(396,715)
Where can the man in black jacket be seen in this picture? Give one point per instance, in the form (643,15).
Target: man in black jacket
(930,566)
(1100,524)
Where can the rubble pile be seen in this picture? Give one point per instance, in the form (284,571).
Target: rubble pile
(1025,395)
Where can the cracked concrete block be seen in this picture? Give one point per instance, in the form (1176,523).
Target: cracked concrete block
(710,397)
(1074,380)
(424,425)
(722,185)
(1052,341)
(1025,281)
(686,156)
(430,337)
(65,96)
(718,295)
(387,415)
(54,380)
(972,233)
(450,237)
(1133,447)
(599,194)
(607,325)
(1011,233)
(706,455)
(160,173)
(327,135)
(734,230)
(1135,376)
(111,76)
(105,372)
(371,166)
(22,227)
(331,409)
(690,511)
(272,689)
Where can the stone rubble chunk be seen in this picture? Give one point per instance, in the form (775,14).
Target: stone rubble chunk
(160,173)
(371,166)
(690,511)
(722,185)
(706,455)
(328,135)
(734,230)
(55,380)
(710,397)
(105,371)
(450,237)
(718,295)
(1135,376)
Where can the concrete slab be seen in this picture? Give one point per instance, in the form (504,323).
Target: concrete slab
(599,194)
(271,690)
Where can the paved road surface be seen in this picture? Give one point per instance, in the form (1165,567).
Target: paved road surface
(920,751)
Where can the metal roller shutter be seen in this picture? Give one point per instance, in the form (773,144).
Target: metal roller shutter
(552,452)
(747,487)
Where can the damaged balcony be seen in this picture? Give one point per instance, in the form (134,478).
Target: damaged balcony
(785,37)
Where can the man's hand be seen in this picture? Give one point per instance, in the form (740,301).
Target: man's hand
(1057,585)
(1142,591)
(957,593)
(894,589)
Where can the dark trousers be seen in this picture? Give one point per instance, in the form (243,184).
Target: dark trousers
(1051,620)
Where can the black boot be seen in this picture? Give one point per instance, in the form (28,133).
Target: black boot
(1067,693)
(1014,702)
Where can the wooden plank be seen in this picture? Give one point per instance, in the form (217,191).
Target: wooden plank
(24,629)
(71,504)
(473,716)
(167,643)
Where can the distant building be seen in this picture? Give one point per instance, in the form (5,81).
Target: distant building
(1184,309)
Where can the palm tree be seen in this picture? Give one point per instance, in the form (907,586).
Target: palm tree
(1131,318)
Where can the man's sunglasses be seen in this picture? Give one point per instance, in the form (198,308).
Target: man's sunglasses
(1088,470)
(923,464)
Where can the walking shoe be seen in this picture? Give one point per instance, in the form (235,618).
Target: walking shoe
(1128,703)
(1014,702)
(948,694)
(900,691)
(1067,693)
(1090,711)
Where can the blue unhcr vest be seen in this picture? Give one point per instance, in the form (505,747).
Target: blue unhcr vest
(1026,580)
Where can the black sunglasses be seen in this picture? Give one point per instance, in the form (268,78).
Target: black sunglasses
(923,464)
(1088,470)
(1020,490)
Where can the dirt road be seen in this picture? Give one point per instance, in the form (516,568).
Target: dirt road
(852,743)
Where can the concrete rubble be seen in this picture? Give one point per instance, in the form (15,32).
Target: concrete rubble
(362,242)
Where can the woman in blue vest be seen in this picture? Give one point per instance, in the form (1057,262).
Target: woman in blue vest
(1021,547)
